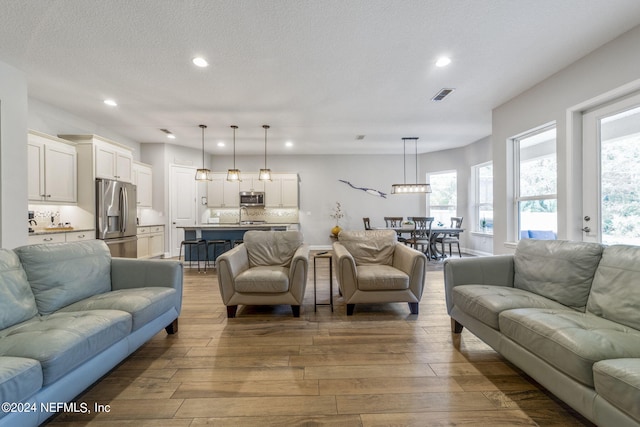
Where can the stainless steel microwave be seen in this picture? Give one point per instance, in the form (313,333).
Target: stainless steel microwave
(251,198)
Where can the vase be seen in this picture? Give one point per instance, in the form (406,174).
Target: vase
(336,230)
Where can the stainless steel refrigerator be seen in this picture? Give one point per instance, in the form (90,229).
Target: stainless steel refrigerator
(116,217)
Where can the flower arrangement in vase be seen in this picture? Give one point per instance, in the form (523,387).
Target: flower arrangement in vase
(337,214)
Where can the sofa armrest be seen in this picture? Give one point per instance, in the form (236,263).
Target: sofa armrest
(346,272)
(229,265)
(414,264)
(298,271)
(130,273)
(492,270)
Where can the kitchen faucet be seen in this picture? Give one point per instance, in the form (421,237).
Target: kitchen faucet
(240,214)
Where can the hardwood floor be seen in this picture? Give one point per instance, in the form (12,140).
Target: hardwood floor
(379,367)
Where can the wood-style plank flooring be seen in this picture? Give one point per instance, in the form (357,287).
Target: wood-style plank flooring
(379,367)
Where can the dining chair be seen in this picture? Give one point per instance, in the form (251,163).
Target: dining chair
(395,222)
(421,235)
(452,238)
(367,223)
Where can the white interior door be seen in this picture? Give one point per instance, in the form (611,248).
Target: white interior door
(183,194)
(611,173)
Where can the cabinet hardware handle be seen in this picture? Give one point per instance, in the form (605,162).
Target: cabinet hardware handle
(81,236)
(47,239)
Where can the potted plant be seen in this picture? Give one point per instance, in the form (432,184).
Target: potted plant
(337,214)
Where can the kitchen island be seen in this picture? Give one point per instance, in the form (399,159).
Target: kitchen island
(229,232)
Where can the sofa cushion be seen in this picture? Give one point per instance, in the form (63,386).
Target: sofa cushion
(370,247)
(486,302)
(63,341)
(17,302)
(271,247)
(618,382)
(63,273)
(20,378)
(263,280)
(569,340)
(143,304)
(381,278)
(556,269)
(615,294)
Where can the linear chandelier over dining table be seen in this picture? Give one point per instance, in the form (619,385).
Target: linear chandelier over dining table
(410,188)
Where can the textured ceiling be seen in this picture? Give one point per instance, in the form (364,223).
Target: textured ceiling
(319,72)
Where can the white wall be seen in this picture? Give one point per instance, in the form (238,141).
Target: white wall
(54,121)
(612,66)
(13,157)
(461,160)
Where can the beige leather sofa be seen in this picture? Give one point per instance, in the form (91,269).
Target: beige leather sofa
(372,267)
(269,268)
(564,312)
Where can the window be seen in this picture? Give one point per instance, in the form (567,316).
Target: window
(483,189)
(536,206)
(443,199)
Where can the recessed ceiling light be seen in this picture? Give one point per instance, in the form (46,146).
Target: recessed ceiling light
(111,102)
(289,144)
(220,144)
(200,62)
(443,61)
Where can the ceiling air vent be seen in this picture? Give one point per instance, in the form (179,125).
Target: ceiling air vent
(359,137)
(442,94)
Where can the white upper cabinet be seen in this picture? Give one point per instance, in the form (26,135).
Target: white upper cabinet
(99,157)
(52,169)
(143,179)
(113,162)
(282,191)
(108,159)
(222,193)
(250,182)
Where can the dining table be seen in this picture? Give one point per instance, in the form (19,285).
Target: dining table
(433,252)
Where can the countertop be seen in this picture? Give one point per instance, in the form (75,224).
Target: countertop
(234,226)
(43,231)
(149,225)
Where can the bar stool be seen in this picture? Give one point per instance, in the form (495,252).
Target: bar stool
(215,244)
(191,244)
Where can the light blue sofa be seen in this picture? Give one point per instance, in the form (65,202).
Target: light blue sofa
(566,313)
(69,313)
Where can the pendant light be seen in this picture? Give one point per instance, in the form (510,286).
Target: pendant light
(234,174)
(203,174)
(410,188)
(265,174)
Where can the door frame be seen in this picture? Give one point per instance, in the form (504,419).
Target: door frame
(571,222)
(591,140)
(174,240)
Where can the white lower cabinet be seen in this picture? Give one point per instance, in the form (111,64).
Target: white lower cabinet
(68,236)
(46,238)
(150,241)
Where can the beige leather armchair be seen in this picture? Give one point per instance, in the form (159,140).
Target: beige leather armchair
(269,268)
(372,267)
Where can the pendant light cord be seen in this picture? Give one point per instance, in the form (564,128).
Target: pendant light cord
(265,144)
(416,141)
(234,127)
(203,127)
